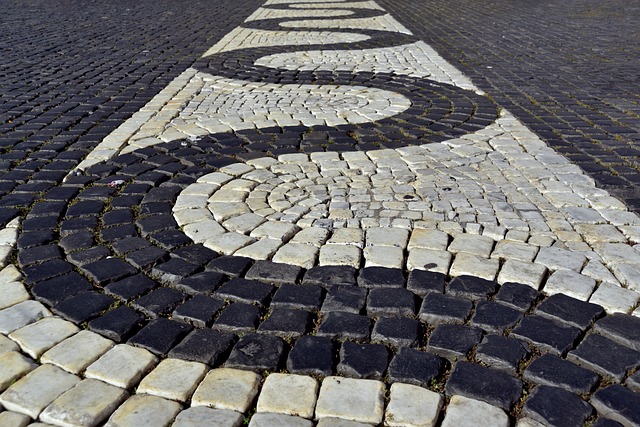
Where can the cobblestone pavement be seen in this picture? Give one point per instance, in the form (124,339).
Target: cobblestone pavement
(308,216)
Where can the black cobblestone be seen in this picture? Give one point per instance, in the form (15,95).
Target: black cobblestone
(364,361)
(204,346)
(489,385)
(553,371)
(557,407)
(312,355)
(605,356)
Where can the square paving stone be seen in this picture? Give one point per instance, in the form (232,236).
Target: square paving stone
(486,384)
(147,257)
(286,323)
(288,394)
(517,295)
(195,254)
(267,419)
(117,324)
(87,256)
(308,297)
(141,409)
(495,317)
(201,283)
(74,242)
(462,411)
(173,379)
(83,306)
(311,355)
(421,282)
(130,287)
(204,346)
(622,328)
(47,270)
(129,244)
(77,352)
(410,405)
(346,298)
(618,403)
(116,232)
(59,288)
(88,403)
(343,325)
(199,311)
(155,223)
(605,356)
(256,352)
(36,338)
(570,310)
(415,367)
(274,273)
(230,265)
(439,308)
(351,399)
(122,366)
(42,237)
(108,270)
(160,335)
(556,372)
(502,352)
(473,288)
(159,301)
(243,290)
(547,334)
(330,275)
(197,416)
(364,361)
(557,406)
(238,317)
(229,389)
(38,254)
(173,271)
(396,331)
(13,366)
(453,341)
(381,277)
(391,302)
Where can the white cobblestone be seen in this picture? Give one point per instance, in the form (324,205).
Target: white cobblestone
(465,412)
(20,315)
(226,388)
(173,379)
(38,337)
(142,410)
(122,366)
(570,283)
(288,394)
(614,298)
(198,416)
(412,406)
(13,366)
(77,352)
(467,264)
(356,400)
(522,272)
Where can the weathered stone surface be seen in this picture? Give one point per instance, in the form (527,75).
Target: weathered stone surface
(173,379)
(144,410)
(413,406)
(229,389)
(77,352)
(122,366)
(557,406)
(288,394)
(465,412)
(198,416)
(13,365)
(351,399)
(618,403)
(489,385)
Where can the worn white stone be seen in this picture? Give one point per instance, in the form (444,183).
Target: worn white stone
(12,293)
(173,379)
(526,273)
(596,270)
(396,237)
(244,223)
(228,243)
(560,259)
(338,254)
(122,366)
(431,260)
(351,399)
(428,239)
(614,298)
(510,249)
(21,314)
(77,352)
(569,283)
(264,419)
(275,230)
(467,264)
(300,254)
(628,275)
(465,412)
(199,416)
(595,234)
(13,365)
(288,394)
(225,388)
(143,410)
(347,236)
(7,345)
(412,406)
(384,256)
(38,337)
(87,404)
(14,419)
(262,249)
(10,274)
(339,422)
(33,392)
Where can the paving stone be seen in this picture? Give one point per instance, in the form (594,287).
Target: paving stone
(556,406)
(288,394)
(438,308)
(495,317)
(229,389)
(108,270)
(367,361)
(307,297)
(13,366)
(274,273)
(570,283)
(489,385)
(160,335)
(46,270)
(230,265)
(256,351)
(311,355)
(243,290)
(117,324)
(14,419)
(129,244)
(343,325)
(77,352)
(604,422)
(122,366)
(329,275)
(517,295)
(204,346)
(502,353)
(621,328)
(415,367)
(238,317)
(38,254)
(344,298)
(553,371)
(83,306)
(20,315)
(7,345)
(201,283)
(412,406)
(340,255)
(147,257)
(560,259)
(351,399)
(38,337)
(286,323)
(200,415)
(90,255)
(471,287)
(173,379)
(159,301)
(88,403)
(12,293)
(614,298)
(144,410)
(570,310)
(339,422)
(195,254)
(633,382)
(422,282)
(173,271)
(390,302)
(396,332)
(605,356)
(430,260)
(466,412)
(381,277)
(527,273)
(618,403)
(198,311)
(36,390)
(264,419)
(549,335)
(453,341)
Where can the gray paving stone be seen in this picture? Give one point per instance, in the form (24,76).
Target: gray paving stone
(311,355)
(122,366)
(553,371)
(7,345)
(413,406)
(77,352)
(621,328)
(13,366)
(173,379)
(338,325)
(438,308)
(351,399)
(229,389)
(36,390)
(618,403)
(502,353)
(20,315)
(367,361)
(38,337)
(256,352)
(605,356)
(489,385)
(87,404)
(556,406)
(396,331)
(465,412)
(517,295)
(144,410)
(547,334)
(201,415)
(346,298)
(453,342)
(12,293)
(288,394)
(264,419)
